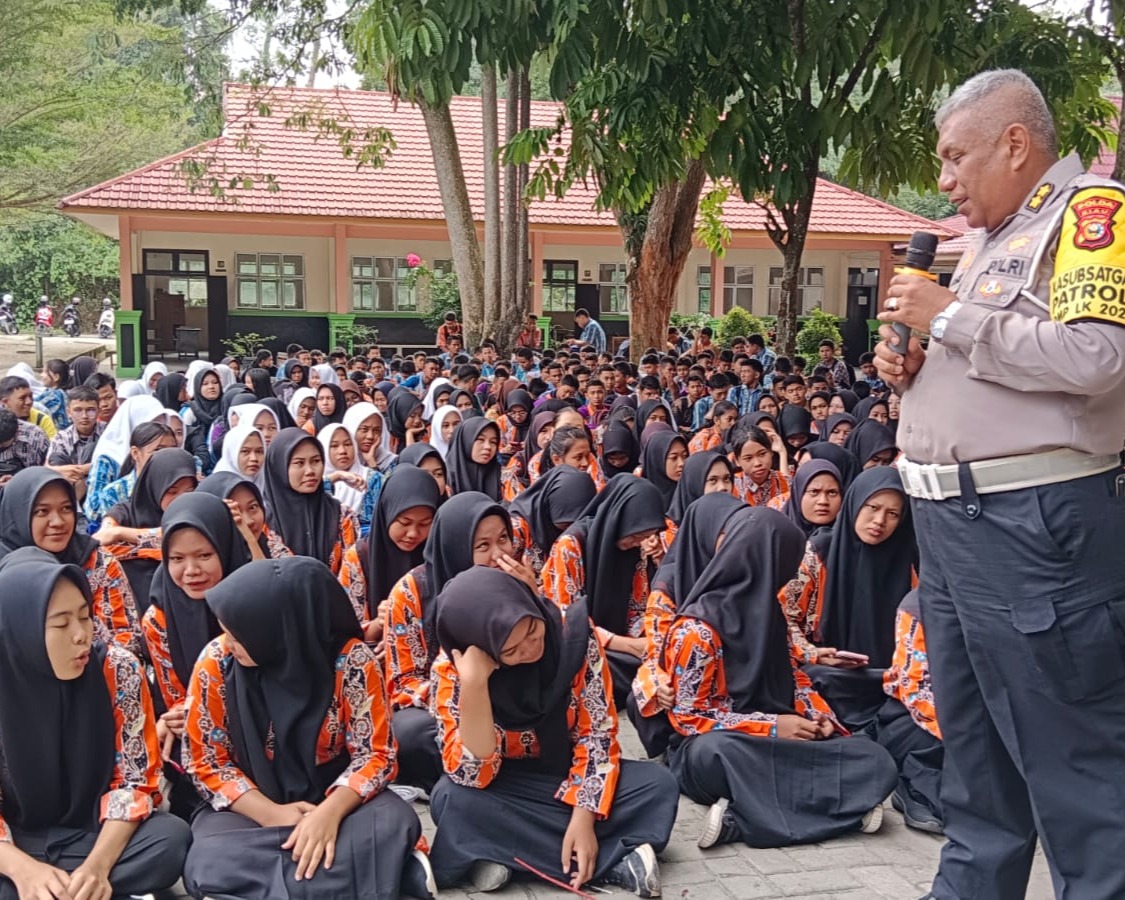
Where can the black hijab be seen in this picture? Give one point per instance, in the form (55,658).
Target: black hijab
(753,418)
(81,369)
(559,496)
(204,410)
(863,408)
(223,484)
(400,404)
(190,624)
(694,546)
(281,411)
(168,390)
(542,419)
(54,773)
(628,505)
(850,399)
(528,697)
(844,461)
(832,421)
(406,488)
(294,619)
(866,583)
(463,473)
(801,481)
(261,382)
(869,438)
(646,409)
(693,482)
(654,461)
(308,523)
(792,421)
(861,389)
(522,399)
(163,469)
(737,596)
(416,453)
(16,504)
(320,420)
(618,437)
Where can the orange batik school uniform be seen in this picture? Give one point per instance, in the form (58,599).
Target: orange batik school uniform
(774,488)
(559,752)
(308,720)
(559,497)
(737,695)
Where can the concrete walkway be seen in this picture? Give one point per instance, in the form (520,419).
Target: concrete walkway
(18,348)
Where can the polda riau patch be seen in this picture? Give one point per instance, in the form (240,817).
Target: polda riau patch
(1094,221)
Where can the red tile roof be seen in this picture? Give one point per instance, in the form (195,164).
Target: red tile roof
(315,179)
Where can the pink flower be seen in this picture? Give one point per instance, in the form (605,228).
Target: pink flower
(413,260)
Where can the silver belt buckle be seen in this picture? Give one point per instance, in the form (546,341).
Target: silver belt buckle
(930,476)
(921,480)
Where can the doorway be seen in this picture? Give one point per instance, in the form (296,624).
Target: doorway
(863,289)
(176,288)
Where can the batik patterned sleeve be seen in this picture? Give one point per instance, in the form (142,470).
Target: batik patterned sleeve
(156,638)
(597,755)
(276,545)
(908,678)
(694,658)
(114,605)
(363,716)
(510,484)
(659,614)
(638,602)
(407,657)
(458,761)
(134,791)
(800,601)
(349,534)
(521,536)
(354,583)
(564,577)
(809,703)
(208,754)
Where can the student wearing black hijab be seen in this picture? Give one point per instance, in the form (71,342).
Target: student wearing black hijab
(546,509)
(404,419)
(744,717)
(171,391)
(517,473)
(330,407)
(309,521)
(872,444)
(288,738)
(280,410)
(246,498)
(620,453)
(648,412)
(872,408)
(815,498)
(836,429)
(38,508)
(78,737)
(473,463)
(870,568)
(605,556)
(794,424)
(844,461)
(662,463)
(533,685)
(704,473)
(205,408)
(427,458)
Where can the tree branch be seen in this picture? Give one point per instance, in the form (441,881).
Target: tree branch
(865,54)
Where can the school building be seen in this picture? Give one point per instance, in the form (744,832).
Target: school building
(271,229)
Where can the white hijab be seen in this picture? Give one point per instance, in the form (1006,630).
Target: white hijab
(349,496)
(151,369)
(248,413)
(24,371)
(127,389)
(232,446)
(327,374)
(428,405)
(197,366)
(300,396)
(436,440)
(356,416)
(134,411)
(226,375)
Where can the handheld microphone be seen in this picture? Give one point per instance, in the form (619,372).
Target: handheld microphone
(919,258)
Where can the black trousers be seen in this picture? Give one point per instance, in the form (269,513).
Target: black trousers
(855,695)
(916,752)
(152,860)
(1023,602)
(419,757)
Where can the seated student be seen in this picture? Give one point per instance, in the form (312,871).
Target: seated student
(445,423)
(763,462)
(706,472)
(425,457)
(663,456)
(907,724)
(72,449)
(548,508)
(794,423)
(604,556)
(288,738)
(836,428)
(403,518)
(655,410)
(683,409)
(872,443)
(745,718)
(204,409)
(437,396)
(516,475)
(620,453)
(367,427)
(244,454)
(114,449)
(814,502)
(843,402)
(718,386)
(844,462)
(723,417)
(131,530)
(302,406)
(36,428)
(847,593)
(469,529)
(528,728)
(404,420)
(310,522)
(818,406)
(872,408)
(473,463)
(38,509)
(514,422)
(81,763)
(244,498)
(345,474)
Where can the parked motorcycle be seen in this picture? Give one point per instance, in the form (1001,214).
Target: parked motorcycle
(106,320)
(70,321)
(44,316)
(7,316)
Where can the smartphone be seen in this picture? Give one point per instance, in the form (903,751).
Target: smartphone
(853,657)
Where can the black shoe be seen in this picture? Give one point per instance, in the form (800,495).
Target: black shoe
(915,814)
(719,826)
(638,872)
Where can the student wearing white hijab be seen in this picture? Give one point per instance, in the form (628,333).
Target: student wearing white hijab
(248,464)
(438,439)
(251,414)
(377,453)
(24,371)
(429,405)
(343,468)
(226,375)
(325,375)
(294,406)
(132,388)
(149,377)
(197,366)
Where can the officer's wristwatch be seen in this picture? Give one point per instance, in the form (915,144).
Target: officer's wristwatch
(941,320)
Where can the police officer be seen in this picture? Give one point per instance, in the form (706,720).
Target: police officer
(1012,423)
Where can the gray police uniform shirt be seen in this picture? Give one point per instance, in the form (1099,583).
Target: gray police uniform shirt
(1035,359)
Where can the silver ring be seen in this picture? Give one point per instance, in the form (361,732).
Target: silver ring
(892,304)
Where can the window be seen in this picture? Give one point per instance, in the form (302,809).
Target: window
(738,287)
(180,272)
(443,267)
(613,296)
(269,280)
(379,285)
(703,289)
(810,289)
(560,286)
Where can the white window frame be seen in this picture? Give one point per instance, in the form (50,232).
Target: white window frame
(285,281)
(738,287)
(617,303)
(404,299)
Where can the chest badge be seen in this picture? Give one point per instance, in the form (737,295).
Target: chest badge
(1040,196)
(1094,222)
(990,288)
(1018,243)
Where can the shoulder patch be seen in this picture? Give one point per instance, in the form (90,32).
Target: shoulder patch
(1094,220)
(1089,277)
(1040,196)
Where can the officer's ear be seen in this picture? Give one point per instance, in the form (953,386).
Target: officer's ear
(1015,142)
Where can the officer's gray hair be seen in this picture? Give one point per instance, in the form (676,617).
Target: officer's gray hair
(1024,104)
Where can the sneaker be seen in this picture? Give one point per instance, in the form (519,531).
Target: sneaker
(489,876)
(873,821)
(719,826)
(638,872)
(418,877)
(915,814)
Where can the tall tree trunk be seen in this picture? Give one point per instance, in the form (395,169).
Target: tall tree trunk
(523,233)
(657,249)
(493,310)
(467,262)
(511,198)
(1119,157)
(791,240)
